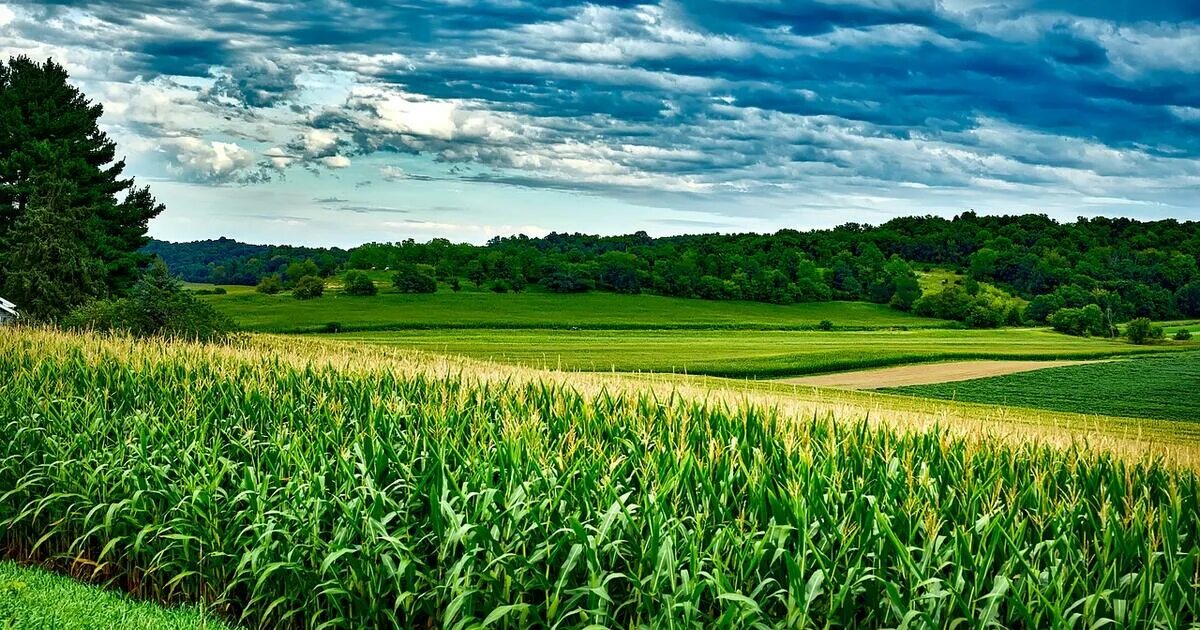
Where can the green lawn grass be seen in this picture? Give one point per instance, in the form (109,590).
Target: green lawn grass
(472,309)
(1172,327)
(748,353)
(33,598)
(1166,387)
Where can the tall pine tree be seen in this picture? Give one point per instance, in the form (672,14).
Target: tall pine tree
(62,190)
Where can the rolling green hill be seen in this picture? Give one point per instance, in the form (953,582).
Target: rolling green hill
(472,309)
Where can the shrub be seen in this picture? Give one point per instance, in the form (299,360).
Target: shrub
(414,279)
(308,287)
(500,286)
(825,325)
(980,316)
(331,327)
(269,285)
(1182,335)
(949,303)
(358,283)
(158,306)
(455,285)
(1141,331)
(1085,321)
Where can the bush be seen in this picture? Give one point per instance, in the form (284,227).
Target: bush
(1138,330)
(949,303)
(414,279)
(358,283)
(825,325)
(1141,331)
(500,286)
(331,327)
(269,285)
(980,316)
(308,287)
(159,306)
(1086,321)
(455,285)
(1182,335)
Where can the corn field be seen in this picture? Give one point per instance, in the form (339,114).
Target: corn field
(279,490)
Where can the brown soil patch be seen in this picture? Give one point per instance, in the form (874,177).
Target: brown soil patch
(924,374)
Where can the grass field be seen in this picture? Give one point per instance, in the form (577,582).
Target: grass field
(759,354)
(1152,387)
(1172,327)
(293,481)
(31,598)
(471,309)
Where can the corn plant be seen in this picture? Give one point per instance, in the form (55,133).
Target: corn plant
(279,489)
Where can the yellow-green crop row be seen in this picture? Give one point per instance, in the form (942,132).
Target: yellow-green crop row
(294,483)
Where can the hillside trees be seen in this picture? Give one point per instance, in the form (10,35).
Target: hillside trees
(71,225)
(1127,268)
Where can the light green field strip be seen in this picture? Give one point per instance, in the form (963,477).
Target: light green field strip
(472,309)
(761,354)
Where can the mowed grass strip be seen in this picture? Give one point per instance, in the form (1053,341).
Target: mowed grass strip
(757,354)
(31,598)
(295,483)
(472,309)
(1164,386)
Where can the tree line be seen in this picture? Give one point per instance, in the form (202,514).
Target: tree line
(1125,268)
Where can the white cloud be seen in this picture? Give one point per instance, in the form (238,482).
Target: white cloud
(319,143)
(6,15)
(1186,114)
(279,158)
(204,160)
(404,113)
(336,161)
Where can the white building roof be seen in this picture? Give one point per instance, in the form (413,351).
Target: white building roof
(8,308)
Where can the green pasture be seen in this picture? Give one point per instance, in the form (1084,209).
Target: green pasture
(747,353)
(1166,387)
(473,309)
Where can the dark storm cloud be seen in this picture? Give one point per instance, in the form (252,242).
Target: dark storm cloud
(690,95)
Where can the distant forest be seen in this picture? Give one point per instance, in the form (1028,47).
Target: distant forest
(1125,268)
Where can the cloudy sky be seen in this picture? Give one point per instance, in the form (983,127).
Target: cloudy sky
(343,121)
